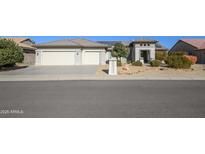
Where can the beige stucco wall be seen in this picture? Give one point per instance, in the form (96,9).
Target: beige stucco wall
(29,58)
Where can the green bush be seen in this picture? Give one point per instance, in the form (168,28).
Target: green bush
(7,57)
(160,55)
(137,63)
(178,61)
(10,53)
(155,63)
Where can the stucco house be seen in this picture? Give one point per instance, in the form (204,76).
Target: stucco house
(195,47)
(140,49)
(71,52)
(28,50)
(86,52)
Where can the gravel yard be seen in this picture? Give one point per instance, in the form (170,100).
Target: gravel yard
(196,70)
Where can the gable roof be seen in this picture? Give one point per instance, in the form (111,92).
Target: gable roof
(20,41)
(198,43)
(72,43)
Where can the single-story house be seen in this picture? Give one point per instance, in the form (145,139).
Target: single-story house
(86,52)
(28,50)
(71,52)
(195,47)
(139,49)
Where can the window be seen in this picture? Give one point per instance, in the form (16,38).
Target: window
(148,44)
(144,44)
(140,44)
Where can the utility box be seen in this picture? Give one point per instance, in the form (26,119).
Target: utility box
(112,66)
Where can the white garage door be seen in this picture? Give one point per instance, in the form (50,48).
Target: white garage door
(92,58)
(58,58)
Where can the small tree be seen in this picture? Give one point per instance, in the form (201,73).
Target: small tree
(10,53)
(119,51)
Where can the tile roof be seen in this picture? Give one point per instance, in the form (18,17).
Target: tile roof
(198,43)
(19,41)
(72,43)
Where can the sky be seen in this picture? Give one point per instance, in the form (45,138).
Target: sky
(167,41)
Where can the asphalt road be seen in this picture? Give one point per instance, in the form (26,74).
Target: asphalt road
(124,99)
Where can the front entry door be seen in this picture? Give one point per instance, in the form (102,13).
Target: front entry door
(144,55)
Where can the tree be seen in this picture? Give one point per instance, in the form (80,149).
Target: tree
(119,51)
(10,53)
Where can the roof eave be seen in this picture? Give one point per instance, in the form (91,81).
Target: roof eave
(64,46)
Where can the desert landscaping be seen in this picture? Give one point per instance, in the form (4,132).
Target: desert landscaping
(128,69)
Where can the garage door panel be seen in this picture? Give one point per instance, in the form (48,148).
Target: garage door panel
(58,58)
(92,58)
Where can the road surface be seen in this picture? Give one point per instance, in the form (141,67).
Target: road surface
(102,99)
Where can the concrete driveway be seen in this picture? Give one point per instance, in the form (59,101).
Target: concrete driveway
(53,70)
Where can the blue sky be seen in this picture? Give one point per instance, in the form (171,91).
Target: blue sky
(167,41)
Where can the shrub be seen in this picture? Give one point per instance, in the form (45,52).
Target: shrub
(160,55)
(137,63)
(177,53)
(176,61)
(10,53)
(193,59)
(7,57)
(155,63)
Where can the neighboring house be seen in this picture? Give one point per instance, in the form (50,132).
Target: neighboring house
(140,49)
(194,47)
(71,52)
(28,50)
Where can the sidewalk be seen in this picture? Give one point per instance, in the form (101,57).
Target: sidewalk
(96,77)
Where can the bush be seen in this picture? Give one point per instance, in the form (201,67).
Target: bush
(176,61)
(177,53)
(7,57)
(193,59)
(160,55)
(155,63)
(10,53)
(137,63)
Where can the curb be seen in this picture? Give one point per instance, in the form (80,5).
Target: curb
(63,78)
